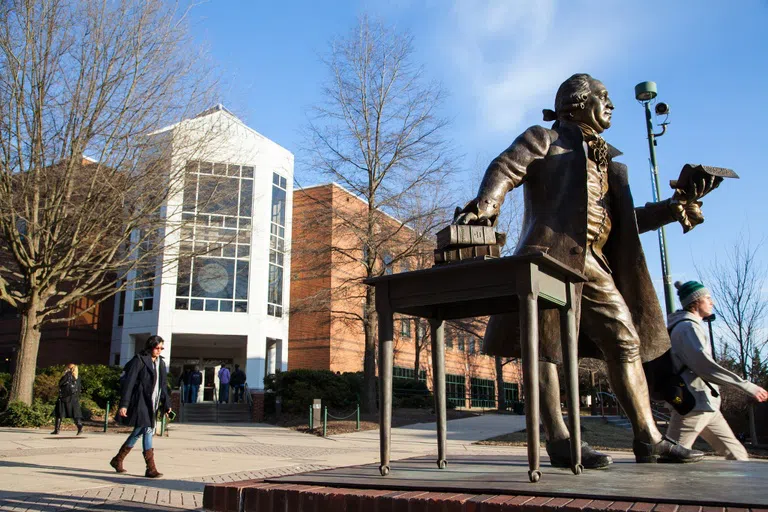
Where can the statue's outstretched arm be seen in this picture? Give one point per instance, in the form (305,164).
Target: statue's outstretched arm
(505,172)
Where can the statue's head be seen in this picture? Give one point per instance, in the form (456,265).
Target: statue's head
(585,100)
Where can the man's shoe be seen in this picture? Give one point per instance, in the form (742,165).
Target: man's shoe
(665,450)
(560,455)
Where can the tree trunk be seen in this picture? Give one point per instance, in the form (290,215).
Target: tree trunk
(502,400)
(26,356)
(369,360)
(752,425)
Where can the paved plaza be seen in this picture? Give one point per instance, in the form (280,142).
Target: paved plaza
(43,472)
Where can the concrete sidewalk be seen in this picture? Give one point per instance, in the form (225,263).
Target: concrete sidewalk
(43,472)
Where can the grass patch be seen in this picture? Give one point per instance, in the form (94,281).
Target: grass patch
(401,417)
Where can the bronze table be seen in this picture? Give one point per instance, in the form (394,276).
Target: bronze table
(479,288)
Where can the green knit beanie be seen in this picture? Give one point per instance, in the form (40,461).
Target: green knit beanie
(690,291)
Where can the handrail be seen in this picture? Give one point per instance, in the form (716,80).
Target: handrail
(247,393)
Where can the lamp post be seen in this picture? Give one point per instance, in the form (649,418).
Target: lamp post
(645,93)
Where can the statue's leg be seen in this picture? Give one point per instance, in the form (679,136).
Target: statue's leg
(631,389)
(605,318)
(549,396)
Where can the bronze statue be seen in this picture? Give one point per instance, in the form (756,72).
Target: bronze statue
(579,210)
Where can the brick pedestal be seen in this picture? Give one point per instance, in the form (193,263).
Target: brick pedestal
(262,496)
(257,411)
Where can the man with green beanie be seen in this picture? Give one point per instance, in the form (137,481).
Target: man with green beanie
(692,354)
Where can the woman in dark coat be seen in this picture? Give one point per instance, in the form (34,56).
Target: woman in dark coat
(68,403)
(143,392)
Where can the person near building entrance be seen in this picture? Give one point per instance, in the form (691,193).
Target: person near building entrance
(224,384)
(195,380)
(184,383)
(237,381)
(68,403)
(692,357)
(143,393)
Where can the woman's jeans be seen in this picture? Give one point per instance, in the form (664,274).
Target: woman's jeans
(145,433)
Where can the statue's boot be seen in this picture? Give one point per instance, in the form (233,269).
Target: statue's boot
(665,450)
(560,455)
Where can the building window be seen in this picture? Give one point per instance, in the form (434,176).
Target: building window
(144,283)
(215,247)
(121,307)
(455,390)
(387,264)
(483,393)
(398,372)
(448,338)
(276,246)
(405,328)
(511,392)
(471,344)
(460,341)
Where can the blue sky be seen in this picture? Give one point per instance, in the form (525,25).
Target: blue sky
(501,63)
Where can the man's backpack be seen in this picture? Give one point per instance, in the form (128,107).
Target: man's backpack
(665,384)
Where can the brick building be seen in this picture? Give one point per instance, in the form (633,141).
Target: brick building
(84,340)
(320,339)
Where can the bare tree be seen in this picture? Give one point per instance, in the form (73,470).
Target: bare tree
(737,286)
(87,78)
(378,133)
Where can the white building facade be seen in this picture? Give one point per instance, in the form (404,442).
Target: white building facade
(224,301)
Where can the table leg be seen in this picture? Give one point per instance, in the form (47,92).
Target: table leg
(386,329)
(438,386)
(569,343)
(529,332)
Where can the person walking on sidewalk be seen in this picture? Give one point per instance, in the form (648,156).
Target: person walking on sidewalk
(692,358)
(224,385)
(68,403)
(143,392)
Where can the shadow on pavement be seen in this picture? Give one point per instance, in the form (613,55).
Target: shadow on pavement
(44,502)
(110,477)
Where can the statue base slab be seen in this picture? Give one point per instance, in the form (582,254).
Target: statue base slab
(503,481)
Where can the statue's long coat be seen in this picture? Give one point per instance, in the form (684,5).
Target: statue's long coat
(551,165)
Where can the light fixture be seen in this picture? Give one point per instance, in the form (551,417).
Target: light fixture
(645,91)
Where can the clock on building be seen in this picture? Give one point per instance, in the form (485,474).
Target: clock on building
(213,278)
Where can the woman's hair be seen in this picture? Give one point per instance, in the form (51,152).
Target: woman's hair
(151,343)
(71,367)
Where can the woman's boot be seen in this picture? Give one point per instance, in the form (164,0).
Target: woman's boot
(56,426)
(79,427)
(149,458)
(117,460)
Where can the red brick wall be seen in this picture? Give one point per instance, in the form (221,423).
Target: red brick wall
(318,340)
(85,340)
(257,411)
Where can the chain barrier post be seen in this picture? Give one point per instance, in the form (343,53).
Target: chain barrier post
(310,418)
(358,417)
(325,419)
(106,417)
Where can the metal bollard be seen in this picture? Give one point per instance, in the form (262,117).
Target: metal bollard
(106,417)
(162,425)
(358,417)
(310,418)
(325,420)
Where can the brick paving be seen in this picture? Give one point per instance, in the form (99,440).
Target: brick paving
(133,497)
(31,452)
(271,450)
